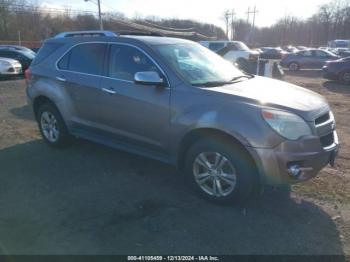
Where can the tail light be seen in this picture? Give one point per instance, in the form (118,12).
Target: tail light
(27,75)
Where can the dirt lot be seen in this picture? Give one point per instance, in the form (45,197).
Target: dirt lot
(89,199)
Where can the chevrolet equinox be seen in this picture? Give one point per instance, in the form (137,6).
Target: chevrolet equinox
(178,102)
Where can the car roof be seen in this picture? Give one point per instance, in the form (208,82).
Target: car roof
(148,40)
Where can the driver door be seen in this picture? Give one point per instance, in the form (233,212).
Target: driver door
(135,113)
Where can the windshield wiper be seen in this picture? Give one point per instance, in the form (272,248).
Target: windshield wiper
(249,76)
(212,83)
(222,83)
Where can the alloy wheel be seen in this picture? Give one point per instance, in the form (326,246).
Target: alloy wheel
(49,127)
(346,77)
(214,174)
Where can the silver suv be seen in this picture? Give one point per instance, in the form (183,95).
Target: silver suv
(176,101)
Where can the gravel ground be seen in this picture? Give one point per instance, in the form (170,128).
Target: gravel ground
(89,199)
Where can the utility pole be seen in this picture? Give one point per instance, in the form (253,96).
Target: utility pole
(232,25)
(99,12)
(229,18)
(19,38)
(254,12)
(227,21)
(248,13)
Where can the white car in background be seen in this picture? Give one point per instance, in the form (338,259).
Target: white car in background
(233,51)
(9,67)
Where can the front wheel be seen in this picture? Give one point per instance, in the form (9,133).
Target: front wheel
(294,66)
(345,78)
(219,171)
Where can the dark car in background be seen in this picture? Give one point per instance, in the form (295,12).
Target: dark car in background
(310,58)
(290,49)
(338,70)
(272,53)
(22,54)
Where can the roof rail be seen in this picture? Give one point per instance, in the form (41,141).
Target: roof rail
(139,33)
(86,33)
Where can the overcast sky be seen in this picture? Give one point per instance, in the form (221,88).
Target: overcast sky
(202,10)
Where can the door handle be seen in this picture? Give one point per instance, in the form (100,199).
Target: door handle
(109,91)
(61,79)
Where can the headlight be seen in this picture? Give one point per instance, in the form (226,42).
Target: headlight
(286,124)
(4,63)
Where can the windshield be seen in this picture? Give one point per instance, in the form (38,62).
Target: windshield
(242,46)
(30,54)
(198,65)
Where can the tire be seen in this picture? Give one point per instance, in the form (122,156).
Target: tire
(294,66)
(345,78)
(237,176)
(52,127)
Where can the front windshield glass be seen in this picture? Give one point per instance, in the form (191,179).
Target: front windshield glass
(198,65)
(29,54)
(242,46)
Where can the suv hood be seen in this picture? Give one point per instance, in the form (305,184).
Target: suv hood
(279,94)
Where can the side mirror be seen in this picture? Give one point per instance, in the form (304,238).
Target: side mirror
(148,78)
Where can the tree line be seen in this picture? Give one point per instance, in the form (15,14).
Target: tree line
(331,21)
(19,19)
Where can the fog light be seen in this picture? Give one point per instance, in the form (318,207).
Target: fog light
(294,171)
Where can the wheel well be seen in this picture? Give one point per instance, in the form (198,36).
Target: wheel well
(38,101)
(197,134)
(293,62)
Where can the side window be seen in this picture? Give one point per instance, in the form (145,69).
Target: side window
(126,61)
(321,53)
(85,58)
(9,54)
(216,46)
(64,62)
(307,53)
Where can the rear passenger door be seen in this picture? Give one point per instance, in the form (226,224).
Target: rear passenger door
(306,59)
(132,112)
(320,58)
(79,73)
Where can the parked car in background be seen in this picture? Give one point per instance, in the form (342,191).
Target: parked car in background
(24,55)
(36,49)
(342,52)
(290,49)
(173,100)
(338,70)
(300,47)
(233,51)
(310,58)
(339,43)
(9,67)
(272,53)
(19,48)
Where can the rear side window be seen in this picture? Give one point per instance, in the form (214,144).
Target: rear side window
(46,50)
(84,58)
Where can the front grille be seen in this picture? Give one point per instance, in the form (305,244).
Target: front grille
(327,140)
(11,70)
(325,128)
(322,119)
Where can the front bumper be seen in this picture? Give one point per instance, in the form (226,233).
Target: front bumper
(307,153)
(11,70)
(328,74)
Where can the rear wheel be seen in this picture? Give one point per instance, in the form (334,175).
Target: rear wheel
(52,126)
(219,171)
(345,77)
(294,66)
